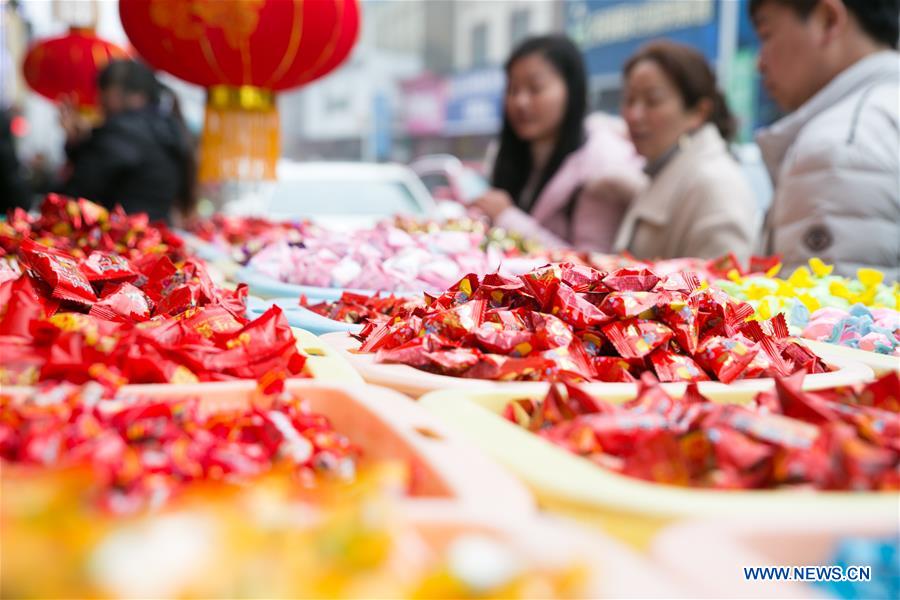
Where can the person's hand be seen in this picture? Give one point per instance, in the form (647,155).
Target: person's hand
(493,202)
(615,188)
(76,127)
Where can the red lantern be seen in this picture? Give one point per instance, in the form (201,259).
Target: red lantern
(242,51)
(68,66)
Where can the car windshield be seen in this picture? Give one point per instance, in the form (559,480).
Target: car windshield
(335,197)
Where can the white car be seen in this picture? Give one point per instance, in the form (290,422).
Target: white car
(447,178)
(341,195)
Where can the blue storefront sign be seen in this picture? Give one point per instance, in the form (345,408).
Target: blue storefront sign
(474,102)
(610,31)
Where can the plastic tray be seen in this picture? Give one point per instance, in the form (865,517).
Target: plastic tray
(881,364)
(323,364)
(387,426)
(299,316)
(201,247)
(629,508)
(708,557)
(415,383)
(267,287)
(614,570)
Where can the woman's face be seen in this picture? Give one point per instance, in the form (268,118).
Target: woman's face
(654,111)
(536,99)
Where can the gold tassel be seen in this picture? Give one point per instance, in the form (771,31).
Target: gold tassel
(240,140)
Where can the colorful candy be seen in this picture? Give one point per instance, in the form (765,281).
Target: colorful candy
(870,329)
(80,227)
(143,450)
(384,259)
(807,290)
(565,322)
(839,439)
(359,308)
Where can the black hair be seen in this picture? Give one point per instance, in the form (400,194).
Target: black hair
(513,164)
(134,77)
(692,76)
(880,19)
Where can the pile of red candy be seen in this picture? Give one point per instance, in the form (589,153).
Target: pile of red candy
(838,439)
(360,308)
(142,450)
(79,227)
(147,321)
(106,296)
(566,322)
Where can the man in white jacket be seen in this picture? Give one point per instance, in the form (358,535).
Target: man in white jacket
(835,159)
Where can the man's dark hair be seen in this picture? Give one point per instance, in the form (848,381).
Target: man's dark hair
(878,18)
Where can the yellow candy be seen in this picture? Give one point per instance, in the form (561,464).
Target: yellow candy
(840,289)
(756,292)
(801,277)
(785,289)
(763,311)
(771,273)
(867,297)
(820,268)
(870,277)
(810,302)
(734,276)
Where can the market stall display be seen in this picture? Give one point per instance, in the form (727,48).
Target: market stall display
(815,428)
(565,322)
(145,447)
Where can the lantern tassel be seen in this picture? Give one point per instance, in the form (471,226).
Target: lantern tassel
(240,140)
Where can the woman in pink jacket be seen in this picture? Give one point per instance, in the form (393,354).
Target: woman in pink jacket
(558,178)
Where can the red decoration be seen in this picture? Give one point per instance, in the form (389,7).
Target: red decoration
(269,44)
(242,51)
(69,65)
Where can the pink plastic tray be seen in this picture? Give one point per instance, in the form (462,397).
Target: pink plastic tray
(387,426)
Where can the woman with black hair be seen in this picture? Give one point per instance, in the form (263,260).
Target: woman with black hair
(141,156)
(558,178)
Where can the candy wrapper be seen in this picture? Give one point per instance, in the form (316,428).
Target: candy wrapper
(826,440)
(540,327)
(59,272)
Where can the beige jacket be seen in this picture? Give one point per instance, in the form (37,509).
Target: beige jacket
(699,205)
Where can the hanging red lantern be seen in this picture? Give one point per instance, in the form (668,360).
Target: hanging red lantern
(242,51)
(67,66)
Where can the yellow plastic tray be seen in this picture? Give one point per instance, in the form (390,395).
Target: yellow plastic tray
(629,508)
(415,383)
(324,362)
(881,364)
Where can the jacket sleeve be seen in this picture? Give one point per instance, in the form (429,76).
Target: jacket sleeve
(515,219)
(98,161)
